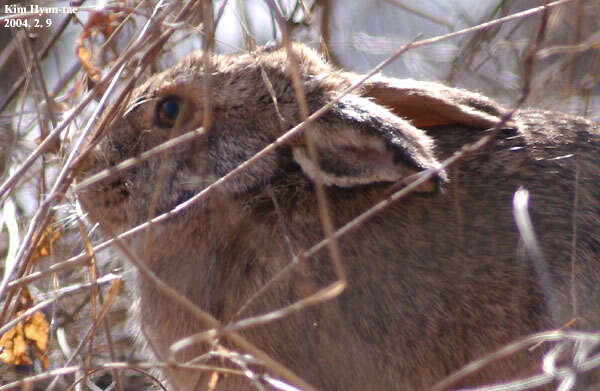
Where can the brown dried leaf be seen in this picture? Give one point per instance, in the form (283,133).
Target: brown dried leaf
(42,248)
(36,330)
(98,21)
(29,335)
(14,347)
(24,301)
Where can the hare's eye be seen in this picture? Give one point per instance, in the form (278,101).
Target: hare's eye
(167,112)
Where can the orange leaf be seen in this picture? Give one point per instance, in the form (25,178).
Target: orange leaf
(42,249)
(14,347)
(29,334)
(97,21)
(36,330)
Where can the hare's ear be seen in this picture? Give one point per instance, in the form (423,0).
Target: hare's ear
(359,142)
(427,104)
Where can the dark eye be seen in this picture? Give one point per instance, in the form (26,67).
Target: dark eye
(167,112)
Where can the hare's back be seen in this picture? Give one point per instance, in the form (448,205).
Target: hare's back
(556,157)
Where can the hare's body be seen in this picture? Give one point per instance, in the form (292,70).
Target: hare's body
(434,281)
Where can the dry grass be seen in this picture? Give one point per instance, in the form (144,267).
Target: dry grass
(50,103)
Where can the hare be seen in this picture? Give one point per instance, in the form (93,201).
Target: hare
(435,280)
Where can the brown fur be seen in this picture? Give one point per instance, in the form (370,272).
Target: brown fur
(435,281)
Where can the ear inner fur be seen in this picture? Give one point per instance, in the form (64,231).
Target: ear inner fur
(427,104)
(359,143)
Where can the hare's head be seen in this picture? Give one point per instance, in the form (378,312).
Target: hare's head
(369,136)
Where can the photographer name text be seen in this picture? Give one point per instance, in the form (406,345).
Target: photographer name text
(34,9)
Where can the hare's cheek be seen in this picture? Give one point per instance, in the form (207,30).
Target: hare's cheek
(231,143)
